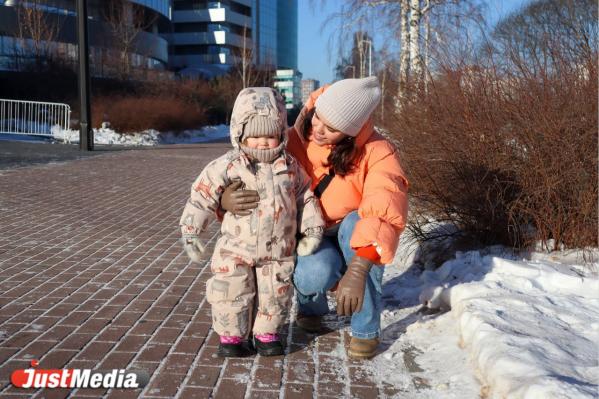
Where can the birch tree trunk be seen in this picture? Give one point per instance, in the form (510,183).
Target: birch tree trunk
(415,56)
(384,77)
(404,58)
(427,37)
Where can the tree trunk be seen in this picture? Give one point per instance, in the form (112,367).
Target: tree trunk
(427,37)
(383,92)
(404,57)
(415,56)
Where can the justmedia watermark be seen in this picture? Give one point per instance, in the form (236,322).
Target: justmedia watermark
(77,378)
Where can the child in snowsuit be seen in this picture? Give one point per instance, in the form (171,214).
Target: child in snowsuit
(253,260)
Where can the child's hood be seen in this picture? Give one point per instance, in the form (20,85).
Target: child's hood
(253,101)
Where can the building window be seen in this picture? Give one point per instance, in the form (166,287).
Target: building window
(190,5)
(191,27)
(218,27)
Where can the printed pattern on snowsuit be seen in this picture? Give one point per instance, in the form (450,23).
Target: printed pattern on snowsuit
(236,284)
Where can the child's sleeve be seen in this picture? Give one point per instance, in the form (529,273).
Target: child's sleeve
(203,203)
(310,221)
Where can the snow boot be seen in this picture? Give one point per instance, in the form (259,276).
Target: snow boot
(232,347)
(271,346)
(233,350)
(361,348)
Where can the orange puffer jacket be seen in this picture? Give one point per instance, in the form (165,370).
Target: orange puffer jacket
(377,188)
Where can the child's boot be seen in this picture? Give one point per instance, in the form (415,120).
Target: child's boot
(232,347)
(268,344)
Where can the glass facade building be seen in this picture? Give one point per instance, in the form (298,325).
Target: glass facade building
(288,83)
(210,36)
(161,6)
(265,32)
(149,49)
(287,34)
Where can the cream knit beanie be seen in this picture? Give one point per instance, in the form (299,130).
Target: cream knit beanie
(347,104)
(262,126)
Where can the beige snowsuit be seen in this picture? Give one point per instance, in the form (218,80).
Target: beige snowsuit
(255,253)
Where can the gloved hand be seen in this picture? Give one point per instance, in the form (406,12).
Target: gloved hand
(238,201)
(308,245)
(194,248)
(350,292)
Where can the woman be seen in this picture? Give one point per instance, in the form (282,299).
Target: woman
(362,188)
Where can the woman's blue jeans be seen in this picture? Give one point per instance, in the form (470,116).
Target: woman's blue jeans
(316,273)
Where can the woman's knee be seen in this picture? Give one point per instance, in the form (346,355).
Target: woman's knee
(348,224)
(317,272)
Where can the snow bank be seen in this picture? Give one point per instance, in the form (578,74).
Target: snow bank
(531,327)
(146,138)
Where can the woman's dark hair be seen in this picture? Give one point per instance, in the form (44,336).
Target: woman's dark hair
(344,153)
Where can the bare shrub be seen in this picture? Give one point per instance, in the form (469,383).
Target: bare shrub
(134,114)
(506,148)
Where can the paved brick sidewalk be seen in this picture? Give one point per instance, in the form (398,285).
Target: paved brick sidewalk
(92,276)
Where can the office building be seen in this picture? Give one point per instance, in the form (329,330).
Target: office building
(211,36)
(288,82)
(109,27)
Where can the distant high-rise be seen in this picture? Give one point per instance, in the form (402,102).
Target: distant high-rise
(288,82)
(287,34)
(308,86)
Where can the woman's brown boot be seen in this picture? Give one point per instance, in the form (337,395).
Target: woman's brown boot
(362,348)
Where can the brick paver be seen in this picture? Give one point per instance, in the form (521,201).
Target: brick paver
(92,276)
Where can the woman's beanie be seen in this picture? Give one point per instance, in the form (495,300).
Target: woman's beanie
(347,104)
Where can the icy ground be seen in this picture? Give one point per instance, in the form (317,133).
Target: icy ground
(490,324)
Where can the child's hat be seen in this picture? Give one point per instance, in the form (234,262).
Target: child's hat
(260,126)
(257,112)
(347,104)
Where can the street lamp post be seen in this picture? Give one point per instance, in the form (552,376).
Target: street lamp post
(86,134)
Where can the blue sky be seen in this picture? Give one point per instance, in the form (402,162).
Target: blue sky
(314,61)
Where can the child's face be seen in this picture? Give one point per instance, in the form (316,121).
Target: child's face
(262,143)
(323,134)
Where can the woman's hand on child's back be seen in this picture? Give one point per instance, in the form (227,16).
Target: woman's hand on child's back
(239,202)
(194,248)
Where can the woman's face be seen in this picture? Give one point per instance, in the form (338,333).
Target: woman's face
(323,134)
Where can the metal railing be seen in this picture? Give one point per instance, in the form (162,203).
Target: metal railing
(33,117)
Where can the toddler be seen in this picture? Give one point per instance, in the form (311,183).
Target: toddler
(253,259)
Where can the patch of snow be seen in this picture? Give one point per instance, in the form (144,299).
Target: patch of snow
(36,327)
(524,328)
(149,137)
(242,378)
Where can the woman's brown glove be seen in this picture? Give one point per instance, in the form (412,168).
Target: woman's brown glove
(350,292)
(238,201)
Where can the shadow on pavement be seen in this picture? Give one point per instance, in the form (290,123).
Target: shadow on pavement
(16,153)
